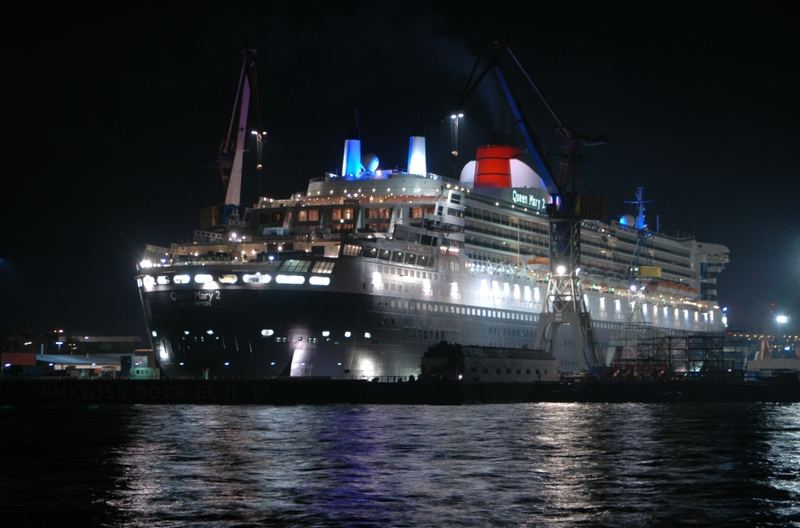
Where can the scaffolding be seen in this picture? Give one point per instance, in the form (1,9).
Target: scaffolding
(666,357)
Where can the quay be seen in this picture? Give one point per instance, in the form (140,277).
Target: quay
(330,391)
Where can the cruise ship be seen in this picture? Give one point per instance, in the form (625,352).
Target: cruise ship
(357,275)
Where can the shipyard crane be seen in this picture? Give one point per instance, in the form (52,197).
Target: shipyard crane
(231,152)
(564,303)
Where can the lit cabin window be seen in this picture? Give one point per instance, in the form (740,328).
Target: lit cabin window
(181,279)
(163,279)
(319,281)
(202,278)
(149,281)
(256,278)
(322,266)
(290,279)
(296,266)
(267,332)
(228,279)
(352,250)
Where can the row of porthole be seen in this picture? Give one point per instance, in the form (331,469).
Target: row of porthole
(268,332)
(226,364)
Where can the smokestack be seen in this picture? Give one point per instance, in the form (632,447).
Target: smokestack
(351,159)
(417,163)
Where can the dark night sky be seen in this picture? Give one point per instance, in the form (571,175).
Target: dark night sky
(112,126)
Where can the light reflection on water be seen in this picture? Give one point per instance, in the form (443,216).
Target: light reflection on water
(530,465)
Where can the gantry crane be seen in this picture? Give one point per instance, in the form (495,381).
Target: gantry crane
(564,302)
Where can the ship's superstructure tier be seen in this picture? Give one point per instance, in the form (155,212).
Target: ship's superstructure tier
(357,276)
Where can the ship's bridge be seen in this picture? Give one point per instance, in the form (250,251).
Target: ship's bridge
(384,184)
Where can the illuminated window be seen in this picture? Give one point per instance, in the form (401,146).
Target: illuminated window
(181,279)
(296,266)
(336,214)
(256,278)
(352,250)
(348,213)
(322,266)
(228,279)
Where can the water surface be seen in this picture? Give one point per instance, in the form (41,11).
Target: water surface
(526,464)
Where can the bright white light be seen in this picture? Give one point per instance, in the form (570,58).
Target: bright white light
(460,377)
(257,278)
(427,289)
(227,363)
(163,354)
(348,333)
(454,294)
(181,279)
(228,279)
(319,281)
(367,367)
(290,279)
(162,280)
(210,332)
(154,333)
(149,281)
(781,319)
(367,335)
(326,333)
(561,269)
(495,288)
(377,281)
(146,263)
(460,115)
(202,278)
(267,332)
(633,288)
